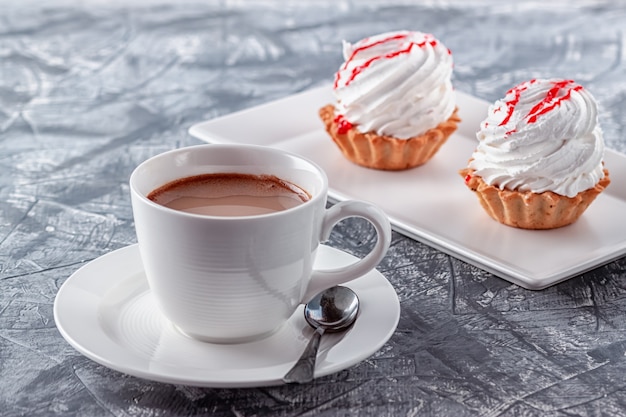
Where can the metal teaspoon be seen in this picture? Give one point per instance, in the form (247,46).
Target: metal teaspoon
(332,310)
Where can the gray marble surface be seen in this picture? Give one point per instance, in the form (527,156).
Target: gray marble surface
(88,90)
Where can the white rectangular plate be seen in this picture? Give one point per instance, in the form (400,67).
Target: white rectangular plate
(431,203)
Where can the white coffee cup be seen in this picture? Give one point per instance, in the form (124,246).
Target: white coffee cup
(235,279)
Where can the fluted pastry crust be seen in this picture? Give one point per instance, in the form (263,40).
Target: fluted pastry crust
(386,152)
(528,210)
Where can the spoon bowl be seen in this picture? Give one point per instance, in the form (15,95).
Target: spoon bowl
(332,310)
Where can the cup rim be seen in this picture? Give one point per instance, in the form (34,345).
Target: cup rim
(320,195)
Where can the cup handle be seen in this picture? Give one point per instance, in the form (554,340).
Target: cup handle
(323,279)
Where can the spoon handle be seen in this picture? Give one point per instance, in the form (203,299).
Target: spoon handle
(303,370)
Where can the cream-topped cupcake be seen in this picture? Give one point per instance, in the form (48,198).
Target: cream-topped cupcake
(539,160)
(395,102)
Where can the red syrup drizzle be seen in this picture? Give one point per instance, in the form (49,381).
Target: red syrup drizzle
(549,102)
(428,40)
(343,126)
(510,105)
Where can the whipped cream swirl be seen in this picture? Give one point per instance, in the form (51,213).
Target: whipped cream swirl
(542,136)
(395,84)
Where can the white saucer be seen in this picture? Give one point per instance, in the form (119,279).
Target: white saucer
(105,310)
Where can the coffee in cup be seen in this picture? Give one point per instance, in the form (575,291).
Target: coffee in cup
(229,194)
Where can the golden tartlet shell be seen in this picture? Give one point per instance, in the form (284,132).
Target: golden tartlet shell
(528,210)
(386,152)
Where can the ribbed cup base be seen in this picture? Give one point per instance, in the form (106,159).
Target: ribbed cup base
(227,340)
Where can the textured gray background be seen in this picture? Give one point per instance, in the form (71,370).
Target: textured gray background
(90,89)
